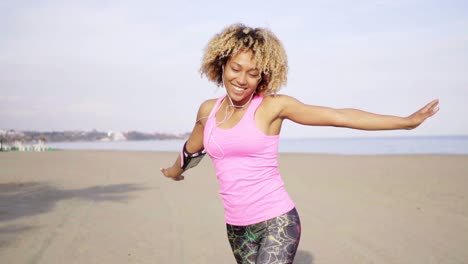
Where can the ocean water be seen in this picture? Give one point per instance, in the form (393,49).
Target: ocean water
(344,146)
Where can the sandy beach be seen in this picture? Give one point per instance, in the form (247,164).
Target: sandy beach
(116,207)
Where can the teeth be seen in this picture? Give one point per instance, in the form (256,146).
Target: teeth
(238,88)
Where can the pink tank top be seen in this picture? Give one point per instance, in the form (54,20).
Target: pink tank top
(246,165)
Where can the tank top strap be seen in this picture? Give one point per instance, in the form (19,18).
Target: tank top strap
(216,106)
(256,101)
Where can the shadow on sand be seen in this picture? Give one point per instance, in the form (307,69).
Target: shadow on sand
(20,200)
(303,257)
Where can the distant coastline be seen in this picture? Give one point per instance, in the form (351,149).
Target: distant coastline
(31,136)
(10,136)
(13,140)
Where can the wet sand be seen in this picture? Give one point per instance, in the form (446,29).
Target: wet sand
(116,207)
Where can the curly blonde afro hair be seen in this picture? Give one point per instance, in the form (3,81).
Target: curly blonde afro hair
(268,53)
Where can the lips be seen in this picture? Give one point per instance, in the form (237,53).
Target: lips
(238,89)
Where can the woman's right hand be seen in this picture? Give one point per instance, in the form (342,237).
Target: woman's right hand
(174,174)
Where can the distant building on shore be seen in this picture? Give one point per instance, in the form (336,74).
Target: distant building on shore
(19,146)
(116,136)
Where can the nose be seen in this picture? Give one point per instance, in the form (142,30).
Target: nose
(242,79)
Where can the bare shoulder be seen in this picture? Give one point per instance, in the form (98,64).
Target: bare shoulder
(279,99)
(279,102)
(206,106)
(205,110)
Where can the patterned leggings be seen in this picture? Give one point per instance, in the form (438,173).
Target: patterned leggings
(273,241)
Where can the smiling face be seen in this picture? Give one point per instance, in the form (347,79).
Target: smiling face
(241,77)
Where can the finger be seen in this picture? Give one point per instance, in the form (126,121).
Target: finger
(434,107)
(431,109)
(430,106)
(164,172)
(434,111)
(178,178)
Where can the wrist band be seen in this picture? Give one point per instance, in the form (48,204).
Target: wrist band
(190,160)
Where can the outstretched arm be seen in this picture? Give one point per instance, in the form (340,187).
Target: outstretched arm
(194,143)
(304,114)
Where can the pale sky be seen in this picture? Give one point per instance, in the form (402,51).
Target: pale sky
(133,65)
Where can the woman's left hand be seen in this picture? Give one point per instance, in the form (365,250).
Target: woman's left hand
(422,114)
(172,173)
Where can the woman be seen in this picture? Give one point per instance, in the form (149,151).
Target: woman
(240,132)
